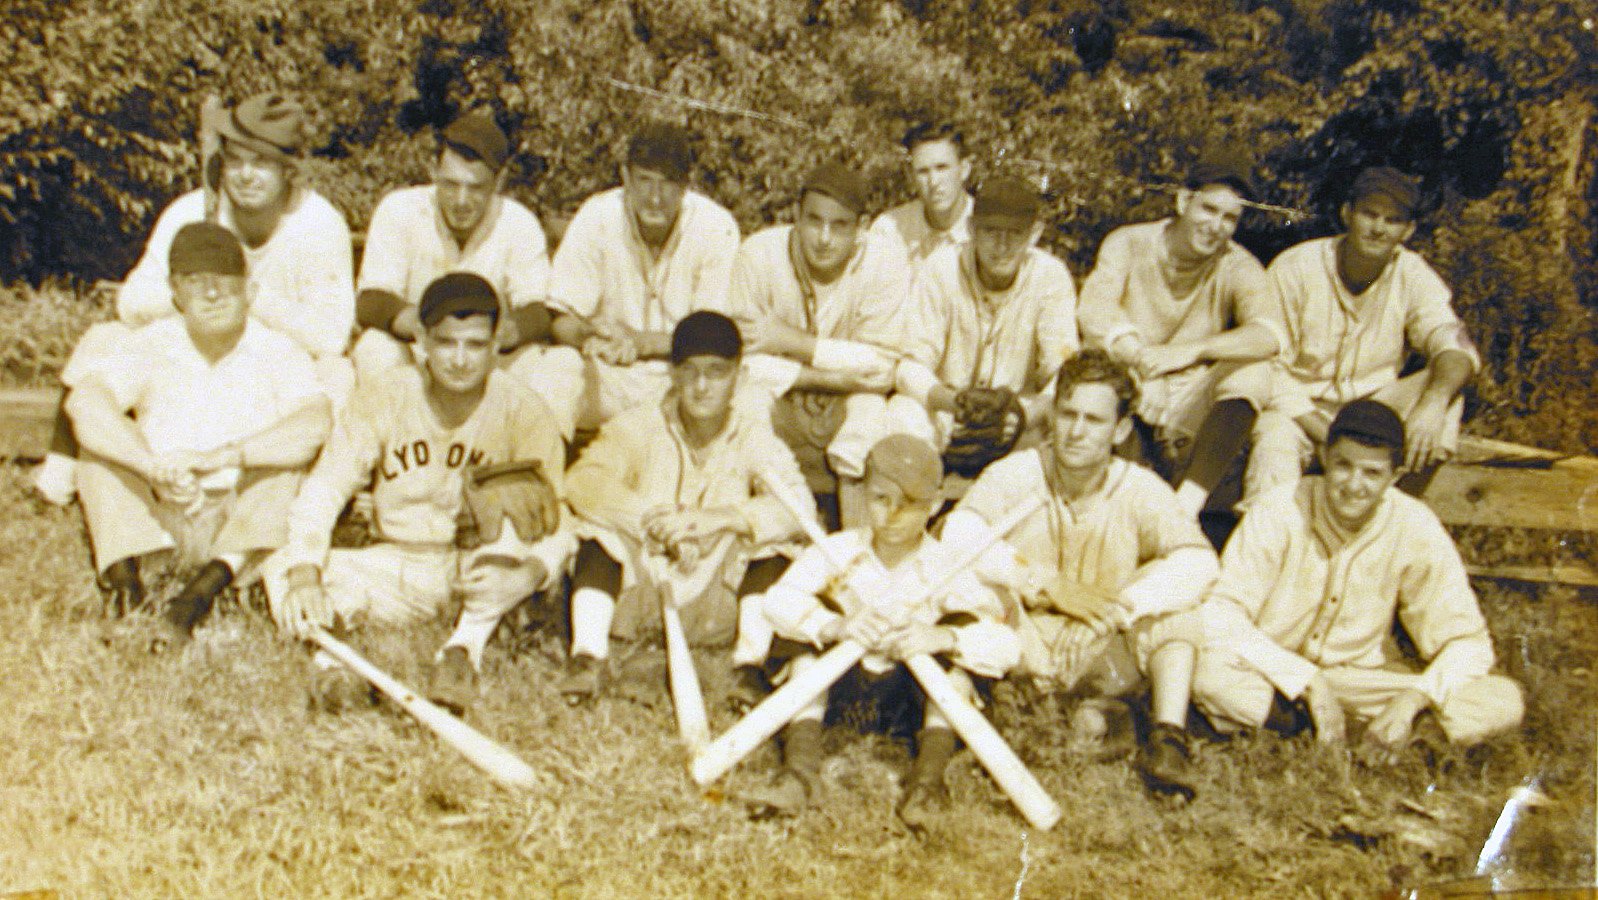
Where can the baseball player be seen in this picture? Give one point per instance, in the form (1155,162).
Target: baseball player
(670,510)
(993,322)
(635,260)
(195,432)
(1189,311)
(1299,624)
(1351,307)
(296,244)
(826,301)
(463,222)
(940,215)
(453,438)
(1110,570)
(816,606)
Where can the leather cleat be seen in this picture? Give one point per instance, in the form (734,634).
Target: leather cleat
(785,796)
(924,802)
(1165,763)
(454,681)
(584,679)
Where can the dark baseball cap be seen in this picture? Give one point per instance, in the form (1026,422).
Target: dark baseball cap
(840,182)
(205,247)
(705,332)
(664,148)
(479,137)
(458,294)
(1368,422)
(1009,199)
(1388,182)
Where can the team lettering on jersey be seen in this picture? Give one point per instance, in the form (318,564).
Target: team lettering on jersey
(417,454)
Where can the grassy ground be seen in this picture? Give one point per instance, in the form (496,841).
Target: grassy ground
(206,775)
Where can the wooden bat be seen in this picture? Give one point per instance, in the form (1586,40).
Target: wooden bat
(693,724)
(502,765)
(989,747)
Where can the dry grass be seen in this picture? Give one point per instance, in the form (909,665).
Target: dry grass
(207,776)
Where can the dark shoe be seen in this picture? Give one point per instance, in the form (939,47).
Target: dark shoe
(337,689)
(1166,764)
(167,636)
(748,689)
(454,681)
(785,796)
(122,588)
(925,801)
(584,679)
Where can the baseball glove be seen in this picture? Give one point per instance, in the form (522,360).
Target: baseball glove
(518,491)
(987,423)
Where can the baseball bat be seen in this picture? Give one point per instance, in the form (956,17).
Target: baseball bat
(693,724)
(499,763)
(989,747)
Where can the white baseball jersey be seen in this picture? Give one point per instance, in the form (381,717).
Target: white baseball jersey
(867,303)
(302,277)
(906,227)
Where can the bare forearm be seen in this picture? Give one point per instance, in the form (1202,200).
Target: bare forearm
(107,431)
(291,442)
(811,379)
(1446,374)
(571,330)
(1242,344)
(375,308)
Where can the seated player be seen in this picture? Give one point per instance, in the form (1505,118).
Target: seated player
(827,300)
(994,320)
(670,509)
(296,244)
(195,432)
(941,213)
(634,261)
(1110,570)
(1188,310)
(893,558)
(435,442)
(1302,614)
(1351,308)
(463,222)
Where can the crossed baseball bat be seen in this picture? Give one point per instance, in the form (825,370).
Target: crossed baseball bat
(718,757)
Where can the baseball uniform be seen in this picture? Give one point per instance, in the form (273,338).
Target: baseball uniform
(1342,346)
(1298,595)
(906,227)
(181,401)
(1130,292)
(963,335)
(1128,536)
(388,438)
(604,271)
(863,309)
(641,461)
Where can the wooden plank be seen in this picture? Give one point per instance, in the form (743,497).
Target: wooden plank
(1579,576)
(27,417)
(1562,497)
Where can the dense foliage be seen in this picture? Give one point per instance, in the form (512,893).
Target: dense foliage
(1491,102)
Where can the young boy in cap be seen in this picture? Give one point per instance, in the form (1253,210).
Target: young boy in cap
(1351,308)
(671,509)
(1303,612)
(890,559)
(1189,311)
(463,222)
(634,261)
(941,213)
(195,430)
(827,302)
(1110,570)
(994,320)
(452,439)
(296,246)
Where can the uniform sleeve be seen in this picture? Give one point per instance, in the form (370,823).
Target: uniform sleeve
(576,277)
(1179,564)
(883,299)
(344,467)
(747,295)
(793,605)
(146,292)
(1100,313)
(983,645)
(326,283)
(1439,610)
(713,280)
(535,439)
(385,265)
(1283,312)
(527,272)
(1430,323)
(1249,294)
(926,337)
(1057,337)
(1254,559)
(294,380)
(602,485)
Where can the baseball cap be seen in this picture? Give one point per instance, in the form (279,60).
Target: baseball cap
(1368,422)
(205,247)
(840,182)
(662,148)
(1008,199)
(1387,182)
(1226,166)
(268,123)
(476,134)
(909,462)
(458,294)
(705,332)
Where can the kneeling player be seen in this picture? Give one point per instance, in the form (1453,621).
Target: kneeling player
(1109,567)
(892,560)
(433,442)
(671,510)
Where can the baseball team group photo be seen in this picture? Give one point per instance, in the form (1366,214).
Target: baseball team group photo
(990,451)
